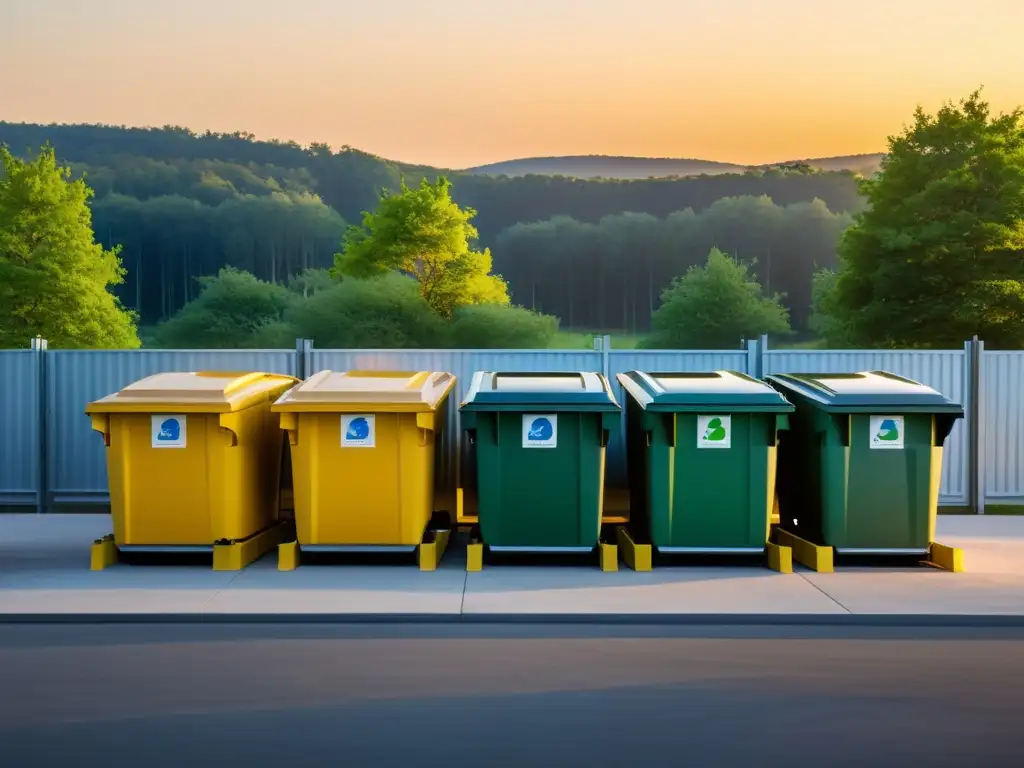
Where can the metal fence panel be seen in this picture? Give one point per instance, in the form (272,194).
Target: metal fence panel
(1002,426)
(76,462)
(943,370)
(463,363)
(657,361)
(19,415)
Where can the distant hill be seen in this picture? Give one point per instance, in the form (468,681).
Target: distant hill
(604,167)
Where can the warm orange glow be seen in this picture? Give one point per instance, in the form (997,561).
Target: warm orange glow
(457,83)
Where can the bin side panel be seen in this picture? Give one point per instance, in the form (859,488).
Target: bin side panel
(539,497)
(720,494)
(415,478)
(161,496)
(346,495)
(889,490)
(245,476)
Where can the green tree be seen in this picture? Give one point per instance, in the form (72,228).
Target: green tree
(54,277)
(424,233)
(233,310)
(939,254)
(497,327)
(825,319)
(715,306)
(383,312)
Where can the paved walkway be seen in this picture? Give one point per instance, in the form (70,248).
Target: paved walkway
(44,571)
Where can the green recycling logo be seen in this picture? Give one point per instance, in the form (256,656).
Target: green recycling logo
(714,431)
(886,432)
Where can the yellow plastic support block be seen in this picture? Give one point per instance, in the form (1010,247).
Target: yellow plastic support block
(104,553)
(431,552)
(779,558)
(814,556)
(238,554)
(288,556)
(461,518)
(609,557)
(475,556)
(637,556)
(949,558)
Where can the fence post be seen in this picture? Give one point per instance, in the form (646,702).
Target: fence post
(606,345)
(300,359)
(38,345)
(975,415)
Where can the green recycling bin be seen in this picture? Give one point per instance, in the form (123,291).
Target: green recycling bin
(539,441)
(700,449)
(860,467)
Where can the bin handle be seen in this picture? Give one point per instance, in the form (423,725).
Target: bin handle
(101,424)
(229,422)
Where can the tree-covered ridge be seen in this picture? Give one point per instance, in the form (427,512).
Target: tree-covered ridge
(183,205)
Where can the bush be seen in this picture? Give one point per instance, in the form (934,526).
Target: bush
(377,313)
(492,326)
(233,311)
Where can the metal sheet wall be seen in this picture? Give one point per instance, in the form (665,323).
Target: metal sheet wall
(1002,426)
(943,370)
(19,415)
(77,472)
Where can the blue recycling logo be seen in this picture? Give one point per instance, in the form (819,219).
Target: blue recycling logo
(358,429)
(540,430)
(888,430)
(170,431)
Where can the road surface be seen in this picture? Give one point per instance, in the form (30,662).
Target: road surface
(254,695)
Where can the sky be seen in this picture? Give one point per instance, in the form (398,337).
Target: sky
(456,83)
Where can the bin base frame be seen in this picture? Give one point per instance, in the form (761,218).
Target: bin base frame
(227,555)
(429,552)
(639,557)
(822,558)
(814,556)
(608,553)
(945,557)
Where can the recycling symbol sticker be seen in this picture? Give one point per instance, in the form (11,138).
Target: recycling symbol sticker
(714,431)
(540,430)
(886,432)
(358,431)
(168,431)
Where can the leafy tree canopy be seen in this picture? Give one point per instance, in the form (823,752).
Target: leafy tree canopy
(374,313)
(939,254)
(422,232)
(233,310)
(496,327)
(54,277)
(715,306)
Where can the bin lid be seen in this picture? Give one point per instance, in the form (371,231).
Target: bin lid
(873,391)
(698,391)
(516,390)
(352,391)
(196,392)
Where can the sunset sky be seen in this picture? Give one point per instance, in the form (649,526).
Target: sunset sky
(456,83)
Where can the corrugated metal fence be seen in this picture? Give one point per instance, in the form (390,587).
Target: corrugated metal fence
(46,392)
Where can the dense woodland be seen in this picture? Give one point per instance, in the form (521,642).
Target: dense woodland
(183,205)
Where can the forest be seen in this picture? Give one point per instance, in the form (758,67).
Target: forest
(595,253)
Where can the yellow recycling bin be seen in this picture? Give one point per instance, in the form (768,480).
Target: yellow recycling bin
(193,463)
(362,446)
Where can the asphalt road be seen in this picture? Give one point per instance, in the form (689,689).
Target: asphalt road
(186,695)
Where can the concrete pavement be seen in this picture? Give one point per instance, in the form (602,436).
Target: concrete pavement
(44,572)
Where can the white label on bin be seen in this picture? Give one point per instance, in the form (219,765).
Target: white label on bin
(168,431)
(887,432)
(714,431)
(540,430)
(358,431)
